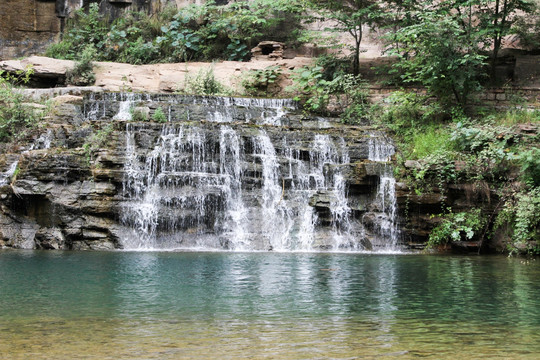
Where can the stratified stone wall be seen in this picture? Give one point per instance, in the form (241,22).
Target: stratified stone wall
(27,26)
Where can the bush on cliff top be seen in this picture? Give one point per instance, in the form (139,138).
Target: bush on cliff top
(196,32)
(15,116)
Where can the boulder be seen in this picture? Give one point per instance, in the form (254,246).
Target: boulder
(47,72)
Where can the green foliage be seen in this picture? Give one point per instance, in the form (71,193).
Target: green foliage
(495,20)
(311,89)
(138,114)
(473,137)
(436,52)
(530,166)
(60,50)
(521,214)
(181,41)
(260,81)
(237,50)
(97,141)
(516,116)
(83,30)
(436,169)
(527,28)
(348,17)
(457,227)
(442,44)
(195,32)
(343,94)
(132,38)
(489,153)
(204,83)
(159,115)
(408,114)
(430,141)
(334,65)
(83,71)
(15,117)
(487,150)
(352,98)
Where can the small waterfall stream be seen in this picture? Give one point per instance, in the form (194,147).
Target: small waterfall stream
(381,150)
(5,177)
(225,173)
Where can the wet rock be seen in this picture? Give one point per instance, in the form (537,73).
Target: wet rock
(412,164)
(375,168)
(50,239)
(466,246)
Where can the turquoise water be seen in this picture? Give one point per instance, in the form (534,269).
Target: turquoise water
(173,305)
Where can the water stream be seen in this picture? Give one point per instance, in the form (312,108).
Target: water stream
(5,177)
(381,150)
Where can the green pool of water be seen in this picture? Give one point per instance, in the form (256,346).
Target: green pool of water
(131,305)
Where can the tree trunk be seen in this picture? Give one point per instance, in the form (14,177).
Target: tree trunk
(496,42)
(356,60)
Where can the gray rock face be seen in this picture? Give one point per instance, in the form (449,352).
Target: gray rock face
(220,173)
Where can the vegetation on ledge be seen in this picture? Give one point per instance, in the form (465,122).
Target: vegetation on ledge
(194,33)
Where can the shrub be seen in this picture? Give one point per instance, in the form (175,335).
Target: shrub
(159,115)
(430,141)
(333,66)
(522,214)
(15,117)
(344,94)
(258,82)
(195,32)
(457,227)
(83,71)
(138,114)
(352,98)
(530,166)
(517,116)
(204,83)
(83,30)
(441,55)
(97,140)
(415,119)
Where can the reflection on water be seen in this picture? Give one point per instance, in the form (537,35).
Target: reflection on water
(231,305)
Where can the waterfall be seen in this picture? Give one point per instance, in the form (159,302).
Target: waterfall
(44,141)
(244,174)
(381,150)
(234,190)
(94,108)
(216,109)
(274,216)
(125,108)
(5,177)
(230,157)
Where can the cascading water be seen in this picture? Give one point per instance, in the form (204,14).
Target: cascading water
(241,181)
(5,177)
(190,184)
(125,109)
(381,151)
(216,109)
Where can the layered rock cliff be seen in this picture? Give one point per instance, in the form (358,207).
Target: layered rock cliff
(166,171)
